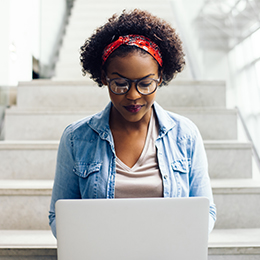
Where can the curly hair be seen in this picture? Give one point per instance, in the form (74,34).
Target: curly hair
(134,22)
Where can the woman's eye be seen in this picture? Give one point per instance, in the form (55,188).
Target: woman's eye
(121,83)
(145,84)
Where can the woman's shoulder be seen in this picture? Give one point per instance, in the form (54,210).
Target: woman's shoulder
(86,127)
(176,123)
(182,121)
(184,126)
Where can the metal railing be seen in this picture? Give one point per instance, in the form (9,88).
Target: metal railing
(4,103)
(254,150)
(47,71)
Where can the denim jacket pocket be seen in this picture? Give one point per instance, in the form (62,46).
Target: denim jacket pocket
(180,171)
(83,170)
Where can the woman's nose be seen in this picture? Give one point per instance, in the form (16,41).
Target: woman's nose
(133,94)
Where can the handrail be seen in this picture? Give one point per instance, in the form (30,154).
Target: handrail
(1,124)
(255,153)
(4,103)
(47,71)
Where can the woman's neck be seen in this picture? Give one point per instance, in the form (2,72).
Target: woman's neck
(119,123)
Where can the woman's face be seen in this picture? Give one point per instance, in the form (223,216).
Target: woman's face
(132,106)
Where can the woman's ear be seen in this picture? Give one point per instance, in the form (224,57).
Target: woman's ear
(161,77)
(103,78)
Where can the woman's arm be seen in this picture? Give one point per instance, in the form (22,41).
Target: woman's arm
(66,184)
(199,177)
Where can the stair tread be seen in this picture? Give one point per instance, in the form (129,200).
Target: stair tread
(235,183)
(27,238)
(235,186)
(26,184)
(29,144)
(234,237)
(26,187)
(219,238)
(246,184)
(234,242)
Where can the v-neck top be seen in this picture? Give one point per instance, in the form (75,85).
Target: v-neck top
(144,178)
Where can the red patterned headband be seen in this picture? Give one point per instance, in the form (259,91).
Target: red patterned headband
(134,40)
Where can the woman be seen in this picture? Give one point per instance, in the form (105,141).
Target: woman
(134,148)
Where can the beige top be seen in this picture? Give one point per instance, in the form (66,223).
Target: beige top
(144,178)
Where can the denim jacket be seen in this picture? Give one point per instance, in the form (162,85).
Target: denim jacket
(86,166)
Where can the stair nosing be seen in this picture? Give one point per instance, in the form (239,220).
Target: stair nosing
(44,187)
(239,246)
(26,187)
(235,186)
(29,145)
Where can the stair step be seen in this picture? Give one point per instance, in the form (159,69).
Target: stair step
(28,159)
(237,202)
(234,244)
(229,159)
(27,244)
(70,95)
(25,204)
(37,159)
(39,125)
(26,187)
(228,244)
(21,124)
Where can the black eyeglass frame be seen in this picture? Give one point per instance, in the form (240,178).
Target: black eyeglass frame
(130,81)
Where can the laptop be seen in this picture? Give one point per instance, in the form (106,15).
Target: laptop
(132,229)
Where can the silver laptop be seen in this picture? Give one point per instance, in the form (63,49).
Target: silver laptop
(133,229)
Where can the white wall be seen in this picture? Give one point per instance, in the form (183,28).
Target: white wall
(16,41)
(4,42)
(28,28)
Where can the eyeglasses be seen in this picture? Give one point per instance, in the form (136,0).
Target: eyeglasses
(144,86)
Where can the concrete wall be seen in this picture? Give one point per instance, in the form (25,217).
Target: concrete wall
(28,28)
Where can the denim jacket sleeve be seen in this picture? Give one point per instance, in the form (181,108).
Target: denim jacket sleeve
(66,185)
(199,177)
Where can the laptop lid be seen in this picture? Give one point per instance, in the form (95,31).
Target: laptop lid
(132,229)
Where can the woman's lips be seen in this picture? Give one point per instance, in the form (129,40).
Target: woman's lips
(133,108)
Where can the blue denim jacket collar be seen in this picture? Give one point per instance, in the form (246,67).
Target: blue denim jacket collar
(100,122)
(165,121)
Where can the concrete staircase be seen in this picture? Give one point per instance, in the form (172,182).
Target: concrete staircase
(44,108)
(28,155)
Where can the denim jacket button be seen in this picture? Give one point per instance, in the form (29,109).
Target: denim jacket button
(165,176)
